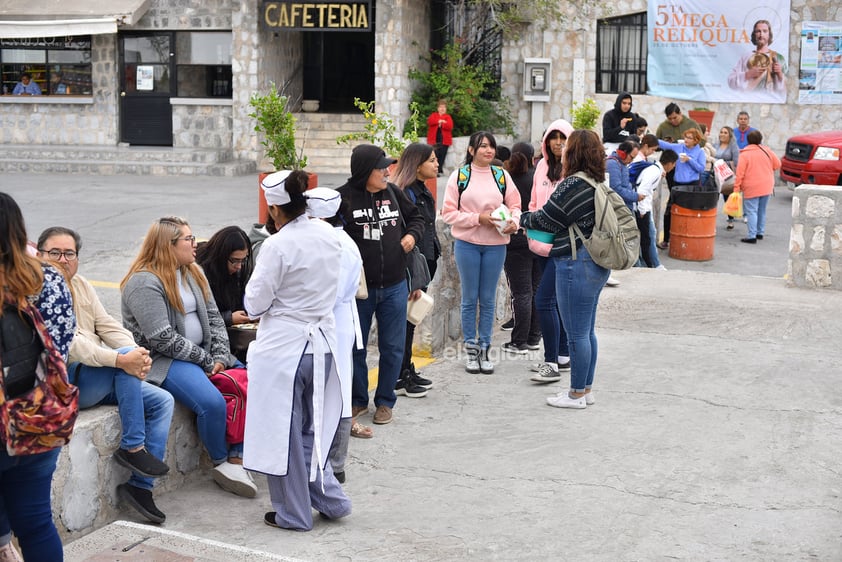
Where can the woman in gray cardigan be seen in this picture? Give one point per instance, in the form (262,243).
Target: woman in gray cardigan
(169,309)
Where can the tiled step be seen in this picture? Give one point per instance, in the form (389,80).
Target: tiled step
(131,167)
(113,153)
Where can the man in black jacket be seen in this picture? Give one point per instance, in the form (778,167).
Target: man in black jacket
(620,123)
(385,225)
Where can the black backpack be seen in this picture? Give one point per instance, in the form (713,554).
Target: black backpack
(21,349)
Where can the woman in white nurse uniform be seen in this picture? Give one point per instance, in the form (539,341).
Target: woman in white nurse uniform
(295,400)
(323,203)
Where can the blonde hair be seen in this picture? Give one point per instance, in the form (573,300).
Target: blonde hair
(157,256)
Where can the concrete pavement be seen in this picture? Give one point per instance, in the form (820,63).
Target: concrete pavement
(715,436)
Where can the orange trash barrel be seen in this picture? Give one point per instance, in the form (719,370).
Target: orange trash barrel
(692,233)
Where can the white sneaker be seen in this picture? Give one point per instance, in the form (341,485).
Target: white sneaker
(486,367)
(472,362)
(234,478)
(590,399)
(612,282)
(563,400)
(661,268)
(546,373)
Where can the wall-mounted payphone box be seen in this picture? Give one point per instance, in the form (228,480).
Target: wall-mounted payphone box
(537,74)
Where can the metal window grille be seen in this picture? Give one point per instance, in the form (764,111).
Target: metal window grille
(621,50)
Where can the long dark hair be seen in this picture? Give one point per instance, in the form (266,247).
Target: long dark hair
(20,273)
(412,157)
(554,165)
(584,153)
(521,159)
(476,140)
(228,290)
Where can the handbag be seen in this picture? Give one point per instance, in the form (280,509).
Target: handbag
(42,416)
(417,270)
(362,288)
(734,205)
(233,384)
(439,136)
(722,172)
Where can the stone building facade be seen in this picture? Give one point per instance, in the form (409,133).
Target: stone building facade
(401,34)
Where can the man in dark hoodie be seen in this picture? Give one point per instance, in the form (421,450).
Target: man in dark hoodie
(385,225)
(619,123)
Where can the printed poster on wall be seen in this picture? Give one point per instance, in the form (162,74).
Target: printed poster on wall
(718,50)
(820,75)
(145,78)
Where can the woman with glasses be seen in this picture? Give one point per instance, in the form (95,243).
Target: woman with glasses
(226,260)
(25,480)
(168,306)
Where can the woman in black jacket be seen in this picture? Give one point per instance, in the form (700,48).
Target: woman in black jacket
(417,164)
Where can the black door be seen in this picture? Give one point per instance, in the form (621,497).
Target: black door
(338,66)
(147,79)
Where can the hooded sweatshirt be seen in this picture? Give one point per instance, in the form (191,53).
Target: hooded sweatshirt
(611,129)
(542,185)
(376,222)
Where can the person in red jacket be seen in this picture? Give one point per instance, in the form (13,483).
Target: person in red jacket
(440,132)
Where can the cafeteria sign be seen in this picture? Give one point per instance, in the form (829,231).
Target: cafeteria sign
(316,16)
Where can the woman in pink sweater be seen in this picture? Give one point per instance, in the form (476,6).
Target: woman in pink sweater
(755,178)
(480,248)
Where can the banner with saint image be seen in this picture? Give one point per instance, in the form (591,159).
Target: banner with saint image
(718,50)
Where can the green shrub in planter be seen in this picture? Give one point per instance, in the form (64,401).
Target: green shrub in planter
(277,125)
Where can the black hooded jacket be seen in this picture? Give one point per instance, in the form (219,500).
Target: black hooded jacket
(373,220)
(611,130)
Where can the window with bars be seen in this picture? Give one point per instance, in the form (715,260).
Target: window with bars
(621,49)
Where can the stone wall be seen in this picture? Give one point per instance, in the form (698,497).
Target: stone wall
(187,14)
(402,36)
(85,482)
(577,42)
(815,241)
(63,120)
(202,126)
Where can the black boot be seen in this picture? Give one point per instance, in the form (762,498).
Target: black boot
(416,377)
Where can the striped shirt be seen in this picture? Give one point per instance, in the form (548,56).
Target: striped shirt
(572,201)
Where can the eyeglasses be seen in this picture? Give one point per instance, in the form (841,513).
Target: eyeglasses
(191,239)
(237,261)
(69,255)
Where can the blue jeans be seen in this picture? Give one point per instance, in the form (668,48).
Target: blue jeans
(755,212)
(546,305)
(189,385)
(479,271)
(145,410)
(388,305)
(25,504)
(578,285)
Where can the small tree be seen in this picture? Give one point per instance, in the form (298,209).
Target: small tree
(585,114)
(473,100)
(277,125)
(380,129)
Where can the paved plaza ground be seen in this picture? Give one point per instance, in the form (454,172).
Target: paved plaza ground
(716,434)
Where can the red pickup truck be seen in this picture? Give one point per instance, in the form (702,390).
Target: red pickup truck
(813,158)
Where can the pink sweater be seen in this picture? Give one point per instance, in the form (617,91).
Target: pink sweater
(756,171)
(480,197)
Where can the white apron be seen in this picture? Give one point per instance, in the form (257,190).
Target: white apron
(348,334)
(292,290)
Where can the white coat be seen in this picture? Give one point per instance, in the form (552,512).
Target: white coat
(292,290)
(348,335)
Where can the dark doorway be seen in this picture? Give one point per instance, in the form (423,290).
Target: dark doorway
(338,66)
(147,82)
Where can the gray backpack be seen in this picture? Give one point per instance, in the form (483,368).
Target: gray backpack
(615,240)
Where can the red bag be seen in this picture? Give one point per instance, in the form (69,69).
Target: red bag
(233,384)
(42,418)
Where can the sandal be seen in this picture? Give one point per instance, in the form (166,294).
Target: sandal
(361,431)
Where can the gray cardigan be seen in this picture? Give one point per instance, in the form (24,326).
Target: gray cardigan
(159,327)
